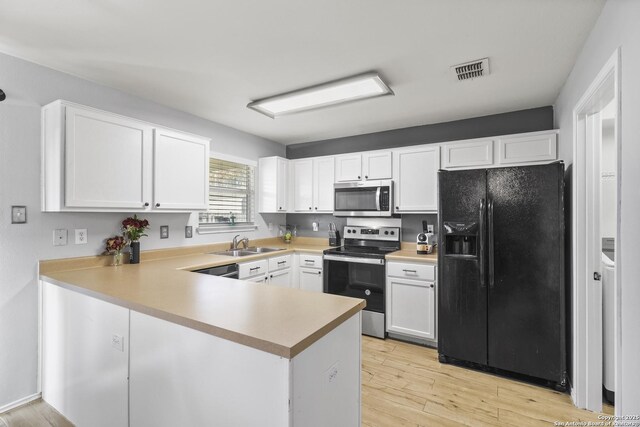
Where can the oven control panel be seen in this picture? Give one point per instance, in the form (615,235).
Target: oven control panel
(372,233)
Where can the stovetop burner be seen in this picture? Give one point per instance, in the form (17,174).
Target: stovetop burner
(366,242)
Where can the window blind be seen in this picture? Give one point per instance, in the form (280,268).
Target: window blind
(231,193)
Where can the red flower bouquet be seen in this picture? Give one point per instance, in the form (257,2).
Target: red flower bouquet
(115,244)
(134,228)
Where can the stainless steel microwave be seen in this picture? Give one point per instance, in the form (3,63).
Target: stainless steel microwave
(369,198)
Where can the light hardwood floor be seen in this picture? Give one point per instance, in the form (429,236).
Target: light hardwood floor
(405,385)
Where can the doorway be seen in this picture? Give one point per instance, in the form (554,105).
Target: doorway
(595,239)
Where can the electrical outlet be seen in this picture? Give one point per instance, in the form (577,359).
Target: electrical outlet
(188,231)
(117,342)
(81,236)
(164,231)
(60,237)
(331,374)
(430,228)
(18,214)
(315,226)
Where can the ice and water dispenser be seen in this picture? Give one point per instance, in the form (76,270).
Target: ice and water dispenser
(461,239)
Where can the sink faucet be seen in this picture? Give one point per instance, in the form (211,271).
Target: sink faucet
(236,242)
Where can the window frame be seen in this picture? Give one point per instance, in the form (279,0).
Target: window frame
(212,228)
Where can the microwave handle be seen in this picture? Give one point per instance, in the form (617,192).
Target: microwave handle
(378,198)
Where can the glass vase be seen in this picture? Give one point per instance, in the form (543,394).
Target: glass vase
(117,259)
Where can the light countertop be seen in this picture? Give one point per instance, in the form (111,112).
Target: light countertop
(282,321)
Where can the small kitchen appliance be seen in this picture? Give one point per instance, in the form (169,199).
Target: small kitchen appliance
(369,198)
(426,241)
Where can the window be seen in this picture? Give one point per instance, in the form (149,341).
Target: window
(231,194)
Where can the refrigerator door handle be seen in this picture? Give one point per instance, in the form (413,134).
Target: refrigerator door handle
(491,247)
(481,233)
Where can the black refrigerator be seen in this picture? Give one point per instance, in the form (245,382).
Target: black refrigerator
(501,301)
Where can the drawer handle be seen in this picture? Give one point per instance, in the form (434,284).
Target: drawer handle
(310,260)
(410,271)
(282,262)
(254,268)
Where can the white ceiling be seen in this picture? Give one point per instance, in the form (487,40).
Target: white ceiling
(211,58)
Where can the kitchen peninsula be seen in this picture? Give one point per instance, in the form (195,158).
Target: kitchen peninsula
(156,344)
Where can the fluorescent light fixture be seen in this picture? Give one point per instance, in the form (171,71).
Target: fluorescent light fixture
(362,86)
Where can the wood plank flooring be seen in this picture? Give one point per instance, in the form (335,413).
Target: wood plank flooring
(405,385)
(34,414)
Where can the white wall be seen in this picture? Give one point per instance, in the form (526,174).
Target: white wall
(28,87)
(618,25)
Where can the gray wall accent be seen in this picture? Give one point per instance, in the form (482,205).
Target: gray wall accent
(28,87)
(535,119)
(303,222)
(411,224)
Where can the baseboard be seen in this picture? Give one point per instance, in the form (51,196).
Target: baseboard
(20,402)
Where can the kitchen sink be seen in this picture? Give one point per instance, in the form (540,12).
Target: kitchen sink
(235,252)
(263,250)
(246,252)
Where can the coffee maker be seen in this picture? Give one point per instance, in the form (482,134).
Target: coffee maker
(425,241)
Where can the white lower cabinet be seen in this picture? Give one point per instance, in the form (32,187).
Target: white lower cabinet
(310,279)
(310,275)
(275,270)
(281,278)
(411,303)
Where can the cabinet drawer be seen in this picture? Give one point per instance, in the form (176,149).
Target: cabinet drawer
(412,271)
(279,262)
(250,269)
(307,260)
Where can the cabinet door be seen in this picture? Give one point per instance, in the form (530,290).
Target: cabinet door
(258,279)
(527,148)
(411,307)
(349,168)
(281,278)
(303,185)
(281,184)
(416,179)
(108,160)
(310,279)
(376,165)
(468,154)
(323,179)
(180,171)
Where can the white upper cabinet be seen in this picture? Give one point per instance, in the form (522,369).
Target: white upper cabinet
(470,154)
(272,180)
(376,165)
(178,159)
(303,185)
(96,161)
(313,184)
(416,179)
(363,166)
(323,178)
(349,167)
(532,147)
(108,160)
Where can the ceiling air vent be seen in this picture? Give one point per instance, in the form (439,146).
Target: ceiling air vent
(472,70)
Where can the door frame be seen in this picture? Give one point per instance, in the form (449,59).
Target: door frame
(586,390)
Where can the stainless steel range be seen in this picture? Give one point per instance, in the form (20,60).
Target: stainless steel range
(357,269)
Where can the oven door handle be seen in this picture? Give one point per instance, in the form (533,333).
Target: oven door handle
(356,260)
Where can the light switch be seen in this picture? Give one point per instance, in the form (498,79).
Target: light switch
(60,237)
(188,231)
(18,214)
